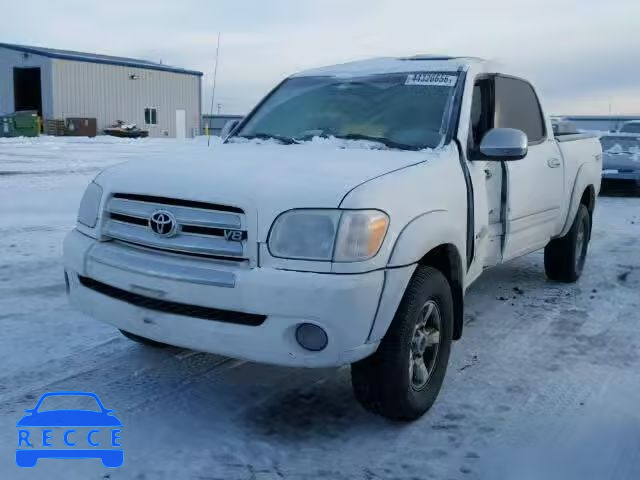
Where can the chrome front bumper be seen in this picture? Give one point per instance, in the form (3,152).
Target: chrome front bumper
(345,306)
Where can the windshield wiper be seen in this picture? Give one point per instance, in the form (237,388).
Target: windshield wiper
(385,141)
(269,136)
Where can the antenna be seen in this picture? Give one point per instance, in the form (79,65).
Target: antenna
(213,93)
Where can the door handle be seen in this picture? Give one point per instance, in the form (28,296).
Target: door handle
(554,162)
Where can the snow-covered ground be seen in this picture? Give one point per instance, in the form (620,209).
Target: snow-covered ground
(545,379)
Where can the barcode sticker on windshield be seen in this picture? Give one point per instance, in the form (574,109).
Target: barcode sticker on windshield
(431,79)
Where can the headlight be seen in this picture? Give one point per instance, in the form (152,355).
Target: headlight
(328,235)
(360,236)
(90,205)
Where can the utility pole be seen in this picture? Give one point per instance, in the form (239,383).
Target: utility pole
(213,93)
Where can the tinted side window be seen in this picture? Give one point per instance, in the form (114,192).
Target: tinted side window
(481,112)
(517,107)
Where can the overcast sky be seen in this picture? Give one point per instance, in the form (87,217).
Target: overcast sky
(583,55)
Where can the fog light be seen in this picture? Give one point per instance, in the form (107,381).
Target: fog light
(311,337)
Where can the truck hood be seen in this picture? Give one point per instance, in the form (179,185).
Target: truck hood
(263,178)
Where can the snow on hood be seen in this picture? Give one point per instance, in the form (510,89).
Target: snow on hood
(269,177)
(328,142)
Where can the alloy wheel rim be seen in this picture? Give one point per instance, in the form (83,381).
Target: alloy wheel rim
(425,345)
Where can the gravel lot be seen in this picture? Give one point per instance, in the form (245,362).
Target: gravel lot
(545,382)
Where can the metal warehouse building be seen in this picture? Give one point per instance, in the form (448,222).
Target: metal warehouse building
(61,84)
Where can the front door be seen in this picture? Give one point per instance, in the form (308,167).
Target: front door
(534,184)
(487,180)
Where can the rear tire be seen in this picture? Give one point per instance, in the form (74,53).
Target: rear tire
(402,379)
(564,257)
(142,340)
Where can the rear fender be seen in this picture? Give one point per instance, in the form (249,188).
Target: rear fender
(586,173)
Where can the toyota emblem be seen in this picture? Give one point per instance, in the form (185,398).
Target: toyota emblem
(163,223)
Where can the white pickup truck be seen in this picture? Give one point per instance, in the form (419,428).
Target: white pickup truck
(340,223)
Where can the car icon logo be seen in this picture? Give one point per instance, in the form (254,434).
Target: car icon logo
(69,433)
(163,223)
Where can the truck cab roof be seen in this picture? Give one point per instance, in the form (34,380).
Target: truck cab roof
(436,63)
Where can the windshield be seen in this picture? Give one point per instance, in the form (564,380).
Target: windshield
(630,128)
(399,110)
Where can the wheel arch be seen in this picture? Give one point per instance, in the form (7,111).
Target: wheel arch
(588,198)
(583,193)
(446,259)
(433,238)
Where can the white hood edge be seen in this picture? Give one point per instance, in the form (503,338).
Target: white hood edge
(264,180)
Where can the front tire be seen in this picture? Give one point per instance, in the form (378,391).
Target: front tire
(564,257)
(402,379)
(142,340)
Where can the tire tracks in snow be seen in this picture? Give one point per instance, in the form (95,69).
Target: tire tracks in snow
(111,366)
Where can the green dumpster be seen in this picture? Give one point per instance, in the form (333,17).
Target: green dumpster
(6,126)
(26,124)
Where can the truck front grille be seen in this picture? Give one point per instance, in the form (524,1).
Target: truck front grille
(175,308)
(201,228)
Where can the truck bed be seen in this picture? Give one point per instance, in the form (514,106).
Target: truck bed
(570,137)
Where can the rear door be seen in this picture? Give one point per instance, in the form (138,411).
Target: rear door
(533,185)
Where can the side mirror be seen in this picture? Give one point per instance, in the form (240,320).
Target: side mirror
(229,127)
(504,144)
